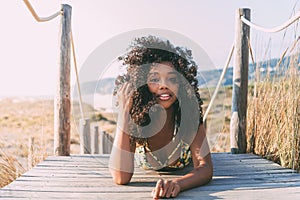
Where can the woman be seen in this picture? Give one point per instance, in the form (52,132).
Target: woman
(160,117)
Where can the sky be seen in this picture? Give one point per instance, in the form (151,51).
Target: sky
(30,50)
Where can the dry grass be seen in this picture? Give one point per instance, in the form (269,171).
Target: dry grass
(273,118)
(10,169)
(26,135)
(218,119)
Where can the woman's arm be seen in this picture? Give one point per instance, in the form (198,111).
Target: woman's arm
(121,162)
(200,175)
(203,167)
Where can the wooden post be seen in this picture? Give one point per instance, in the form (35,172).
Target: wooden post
(85,136)
(240,84)
(95,139)
(30,160)
(62,106)
(106,143)
(101,146)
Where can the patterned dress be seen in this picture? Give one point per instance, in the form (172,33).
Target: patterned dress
(184,159)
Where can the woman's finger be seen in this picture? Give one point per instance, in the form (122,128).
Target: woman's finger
(153,193)
(158,188)
(176,190)
(128,89)
(125,95)
(169,189)
(123,88)
(166,188)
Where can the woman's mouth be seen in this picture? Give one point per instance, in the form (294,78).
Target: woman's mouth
(164,97)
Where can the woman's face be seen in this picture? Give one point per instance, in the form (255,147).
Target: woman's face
(163,82)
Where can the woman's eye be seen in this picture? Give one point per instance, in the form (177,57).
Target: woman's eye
(173,80)
(154,80)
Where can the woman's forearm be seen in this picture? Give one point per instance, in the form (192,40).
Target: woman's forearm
(121,162)
(203,166)
(198,176)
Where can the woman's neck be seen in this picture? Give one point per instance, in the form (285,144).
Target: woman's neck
(165,134)
(170,121)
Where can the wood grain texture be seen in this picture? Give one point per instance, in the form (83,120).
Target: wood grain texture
(62,104)
(236,176)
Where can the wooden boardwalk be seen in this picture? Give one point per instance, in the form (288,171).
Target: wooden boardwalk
(239,176)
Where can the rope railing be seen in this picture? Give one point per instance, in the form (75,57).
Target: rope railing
(41,19)
(77,79)
(219,84)
(275,29)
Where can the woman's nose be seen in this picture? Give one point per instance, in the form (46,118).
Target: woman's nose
(163,84)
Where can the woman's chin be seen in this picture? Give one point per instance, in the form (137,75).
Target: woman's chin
(166,104)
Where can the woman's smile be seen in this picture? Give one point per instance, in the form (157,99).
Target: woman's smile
(164,97)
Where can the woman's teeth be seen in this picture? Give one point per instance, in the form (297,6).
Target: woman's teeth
(164,97)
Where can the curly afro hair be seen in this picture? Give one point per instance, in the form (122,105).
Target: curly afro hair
(141,55)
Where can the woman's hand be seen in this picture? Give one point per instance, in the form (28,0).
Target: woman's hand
(165,188)
(125,103)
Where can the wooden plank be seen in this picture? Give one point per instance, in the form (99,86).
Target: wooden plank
(87,177)
(143,178)
(264,193)
(139,184)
